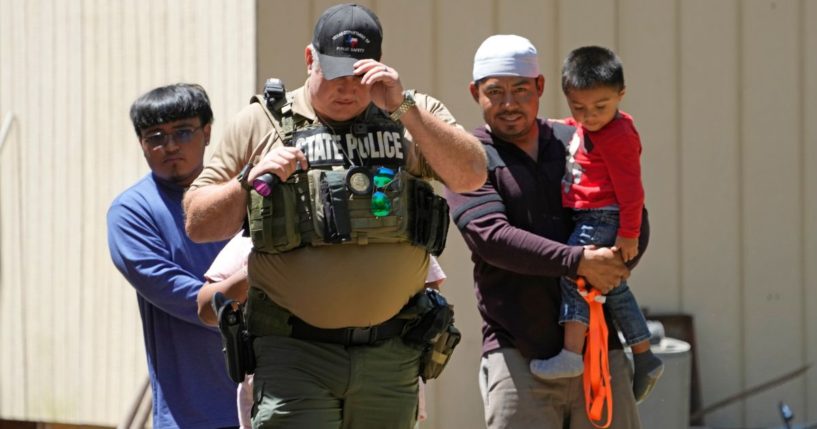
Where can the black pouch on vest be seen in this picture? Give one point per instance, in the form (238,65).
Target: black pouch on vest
(439,225)
(421,213)
(430,226)
(335,197)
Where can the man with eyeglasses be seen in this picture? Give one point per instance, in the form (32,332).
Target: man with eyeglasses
(150,248)
(337,255)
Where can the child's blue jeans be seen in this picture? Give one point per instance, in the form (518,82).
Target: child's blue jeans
(600,227)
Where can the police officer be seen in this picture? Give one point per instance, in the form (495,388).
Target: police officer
(342,236)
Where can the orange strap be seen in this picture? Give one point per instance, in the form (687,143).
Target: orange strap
(597,389)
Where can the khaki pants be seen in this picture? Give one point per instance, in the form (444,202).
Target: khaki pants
(304,384)
(513,398)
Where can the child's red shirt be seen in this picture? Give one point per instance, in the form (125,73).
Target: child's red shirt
(604,169)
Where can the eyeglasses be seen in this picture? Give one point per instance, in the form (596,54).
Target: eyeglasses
(180,136)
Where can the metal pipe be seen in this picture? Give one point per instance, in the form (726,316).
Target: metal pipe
(4,130)
(136,410)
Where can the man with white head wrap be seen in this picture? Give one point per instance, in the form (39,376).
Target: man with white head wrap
(515,227)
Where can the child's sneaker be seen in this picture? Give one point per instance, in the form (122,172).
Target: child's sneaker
(565,364)
(647,369)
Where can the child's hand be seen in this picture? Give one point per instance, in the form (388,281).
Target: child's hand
(628,247)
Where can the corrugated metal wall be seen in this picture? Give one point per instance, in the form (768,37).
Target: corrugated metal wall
(723,92)
(72,347)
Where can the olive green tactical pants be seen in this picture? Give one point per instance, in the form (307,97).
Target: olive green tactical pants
(303,384)
(513,398)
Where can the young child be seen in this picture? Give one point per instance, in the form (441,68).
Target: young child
(228,275)
(602,185)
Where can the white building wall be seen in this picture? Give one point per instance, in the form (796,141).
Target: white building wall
(72,347)
(723,93)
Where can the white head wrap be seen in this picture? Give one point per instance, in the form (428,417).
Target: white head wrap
(505,55)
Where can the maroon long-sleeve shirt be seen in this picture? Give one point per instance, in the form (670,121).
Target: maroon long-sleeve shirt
(514,226)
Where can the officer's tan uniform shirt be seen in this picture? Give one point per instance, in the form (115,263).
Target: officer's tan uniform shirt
(327,286)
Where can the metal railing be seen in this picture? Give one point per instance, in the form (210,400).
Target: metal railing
(4,130)
(140,408)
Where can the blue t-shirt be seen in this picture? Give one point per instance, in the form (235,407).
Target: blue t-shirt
(148,244)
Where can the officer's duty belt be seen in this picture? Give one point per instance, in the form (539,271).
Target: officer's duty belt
(347,336)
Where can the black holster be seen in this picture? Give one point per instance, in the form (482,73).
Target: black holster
(235,339)
(433,331)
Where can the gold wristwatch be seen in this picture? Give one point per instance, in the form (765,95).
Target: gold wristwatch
(408,103)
